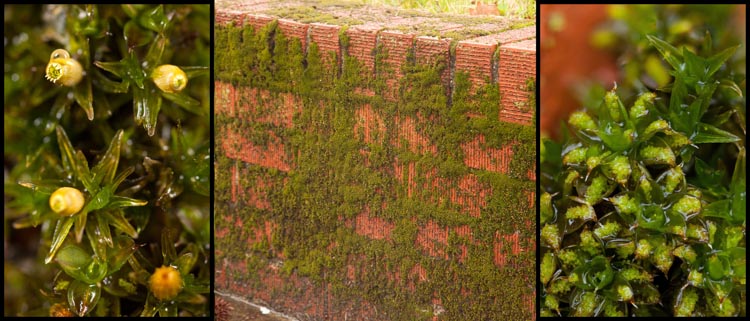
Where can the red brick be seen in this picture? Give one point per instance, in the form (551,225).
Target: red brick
(476,60)
(327,39)
(372,226)
(505,37)
(478,155)
(229,16)
(263,106)
(296,30)
(224,98)
(397,45)
(517,64)
(429,50)
(235,183)
(272,155)
(433,238)
(362,41)
(369,124)
(222,17)
(407,130)
(258,21)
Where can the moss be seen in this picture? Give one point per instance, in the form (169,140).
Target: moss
(330,185)
(305,14)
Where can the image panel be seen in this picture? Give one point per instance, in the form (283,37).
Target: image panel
(375,160)
(643,160)
(107,142)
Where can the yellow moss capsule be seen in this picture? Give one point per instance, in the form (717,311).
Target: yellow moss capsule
(165,283)
(66,201)
(62,69)
(169,78)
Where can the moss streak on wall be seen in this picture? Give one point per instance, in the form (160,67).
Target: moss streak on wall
(372,199)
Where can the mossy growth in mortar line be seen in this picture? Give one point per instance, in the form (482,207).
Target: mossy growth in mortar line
(331,182)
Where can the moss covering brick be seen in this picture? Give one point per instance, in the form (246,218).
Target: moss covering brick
(360,175)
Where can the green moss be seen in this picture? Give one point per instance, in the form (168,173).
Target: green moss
(305,14)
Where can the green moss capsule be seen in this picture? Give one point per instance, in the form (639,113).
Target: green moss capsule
(695,278)
(625,204)
(546,213)
(657,155)
(643,249)
(581,212)
(672,179)
(597,190)
(697,232)
(642,105)
(607,230)
(624,293)
(686,253)
(619,169)
(551,236)
(612,101)
(687,205)
(575,156)
(590,244)
(662,257)
(582,121)
(686,302)
(551,302)
(548,267)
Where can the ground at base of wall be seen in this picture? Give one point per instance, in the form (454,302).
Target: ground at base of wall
(242,311)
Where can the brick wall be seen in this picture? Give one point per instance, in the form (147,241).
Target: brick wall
(260,145)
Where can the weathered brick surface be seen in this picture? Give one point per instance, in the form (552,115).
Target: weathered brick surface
(429,50)
(262,106)
(407,130)
(271,155)
(369,124)
(517,66)
(225,98)
(476,59)
(506,36)
(294,29)
(397,45)
(224,17)
(362,41)
(327,39)
(478,155)
(371,226)
(257,21)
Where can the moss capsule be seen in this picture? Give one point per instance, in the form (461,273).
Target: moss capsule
(624,293)
(165,283)
(66,201)
(551,236)
(62,69)
(582,121)
(169,78)
(613,105)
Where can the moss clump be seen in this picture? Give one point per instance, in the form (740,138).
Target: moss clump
(650,200)
(107,175)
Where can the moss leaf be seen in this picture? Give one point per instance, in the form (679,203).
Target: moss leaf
(61,232)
